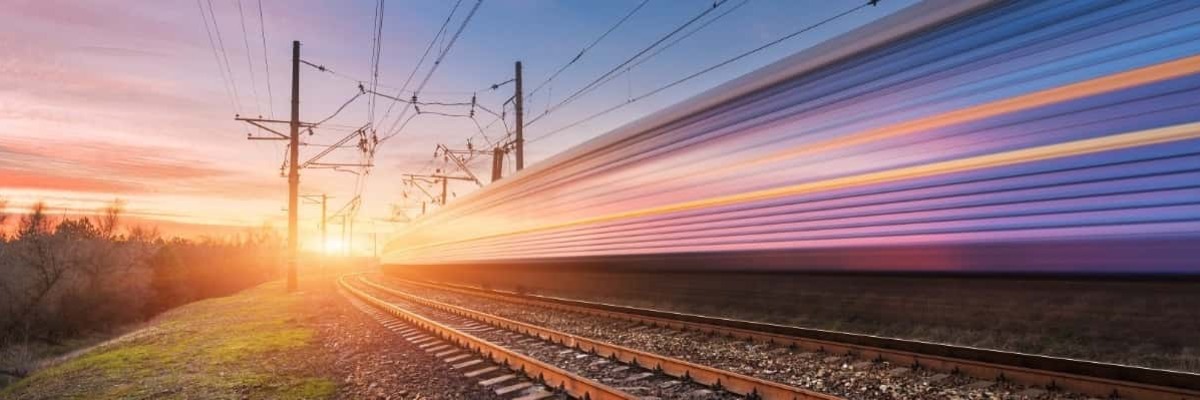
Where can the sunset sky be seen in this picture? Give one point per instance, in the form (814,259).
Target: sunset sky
(101,101)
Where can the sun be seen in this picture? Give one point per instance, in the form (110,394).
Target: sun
(334,246)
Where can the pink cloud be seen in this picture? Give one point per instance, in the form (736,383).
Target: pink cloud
(24,179)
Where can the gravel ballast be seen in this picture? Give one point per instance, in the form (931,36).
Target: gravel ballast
(826,373)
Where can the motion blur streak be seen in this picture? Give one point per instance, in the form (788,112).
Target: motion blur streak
(1015,136)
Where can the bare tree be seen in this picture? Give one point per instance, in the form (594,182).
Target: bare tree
(109,217)
(3,220)
(70,276)
(35,252)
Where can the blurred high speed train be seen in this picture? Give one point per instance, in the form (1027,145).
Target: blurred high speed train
(968,136)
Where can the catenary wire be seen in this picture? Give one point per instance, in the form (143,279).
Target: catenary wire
(701,72)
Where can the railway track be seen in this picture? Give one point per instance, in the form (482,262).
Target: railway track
(496,350)
(853,366)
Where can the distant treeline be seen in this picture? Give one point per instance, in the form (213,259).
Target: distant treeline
(63,277)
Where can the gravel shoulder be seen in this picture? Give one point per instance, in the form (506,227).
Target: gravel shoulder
(827,373)
(376,363)
(1148,322)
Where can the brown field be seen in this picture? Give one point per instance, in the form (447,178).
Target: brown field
(1152,323)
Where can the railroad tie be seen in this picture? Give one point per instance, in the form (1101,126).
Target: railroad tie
(512,388)
(536,395)
(427,339)
(465,364)
(457,358)
(498,379)
(437,349)
(638,377)
(481,371)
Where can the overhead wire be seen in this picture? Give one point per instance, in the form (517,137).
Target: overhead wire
(436,63)
(578,93)
(224,54)
(376,52)
(262,28)
(249,57)
(233,100)
(481,133)
(589,47)
(424,55)
(660,50)
(701,72)
(338,111)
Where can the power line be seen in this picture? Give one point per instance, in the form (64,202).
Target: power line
(598,80)
(358,80)
(704,71)
(224,55)
(338,111)
(266,66)
(424,103)
(376,52)
(689,33)
(481,133)
(589,47)
(667,46)
(249,62)
(436,64)
(233,100)
(421,61)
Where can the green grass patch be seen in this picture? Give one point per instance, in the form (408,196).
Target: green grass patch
(251,345)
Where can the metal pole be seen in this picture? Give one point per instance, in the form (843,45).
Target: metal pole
(444,180)
(519,104)
(497,163)
(293,169)
(324,236)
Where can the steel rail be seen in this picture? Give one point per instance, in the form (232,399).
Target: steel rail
(574,385)
(1079,376)
(725,380)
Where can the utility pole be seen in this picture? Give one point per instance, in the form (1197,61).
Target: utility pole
(519,105)
(293,159)
(294,168)
(344,235)
(457,157)
(324,223)
(497,163)
(324,201)
(416,181)
(444,183)
(349,209)
(434,179)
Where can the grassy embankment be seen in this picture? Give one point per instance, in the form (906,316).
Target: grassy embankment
(257,344)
